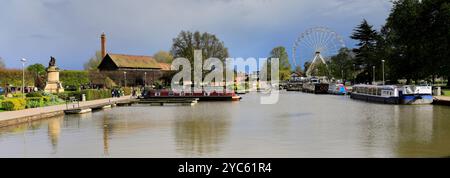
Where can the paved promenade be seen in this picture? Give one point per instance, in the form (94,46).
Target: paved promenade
(442,100)
(43,112)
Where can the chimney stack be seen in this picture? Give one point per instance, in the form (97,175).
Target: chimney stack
(103,41)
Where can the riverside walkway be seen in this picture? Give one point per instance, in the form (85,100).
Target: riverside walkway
(442,100)
(8,118)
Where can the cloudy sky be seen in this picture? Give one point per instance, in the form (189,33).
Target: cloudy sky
(70,29)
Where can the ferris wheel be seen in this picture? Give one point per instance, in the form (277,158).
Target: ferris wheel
(316,43)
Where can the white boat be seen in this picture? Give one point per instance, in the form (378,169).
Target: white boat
(392,94)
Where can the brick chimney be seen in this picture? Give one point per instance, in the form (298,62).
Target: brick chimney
(103,43)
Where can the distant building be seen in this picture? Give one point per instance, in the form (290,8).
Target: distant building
(131,70)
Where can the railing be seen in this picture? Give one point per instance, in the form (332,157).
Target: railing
(73,101)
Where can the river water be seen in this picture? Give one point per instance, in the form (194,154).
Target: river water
(300,125)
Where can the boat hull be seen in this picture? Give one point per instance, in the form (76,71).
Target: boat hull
(376,99)
(416,99)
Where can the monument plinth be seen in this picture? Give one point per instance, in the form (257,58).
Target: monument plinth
(53,84)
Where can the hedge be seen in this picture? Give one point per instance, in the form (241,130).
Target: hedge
(34,94)
(34,102)
(90,94)
(97,94)
(14,104)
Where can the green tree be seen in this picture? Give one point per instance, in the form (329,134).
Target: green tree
(38,72)
(366,51)
(163,56)
(93,62)
(341,65)
(73,78)
(284,65)
(186,42)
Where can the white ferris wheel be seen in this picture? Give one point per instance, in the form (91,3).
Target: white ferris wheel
(316,45)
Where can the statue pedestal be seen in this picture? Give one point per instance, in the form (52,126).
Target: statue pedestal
(53,84)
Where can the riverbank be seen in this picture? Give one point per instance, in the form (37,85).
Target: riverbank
(442,100)
(8,118)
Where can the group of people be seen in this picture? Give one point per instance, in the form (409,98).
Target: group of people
(116,93)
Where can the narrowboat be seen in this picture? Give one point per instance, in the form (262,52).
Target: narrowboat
(202,96)
(391,94)
(316,86)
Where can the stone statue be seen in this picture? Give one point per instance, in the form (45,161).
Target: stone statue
(52,61)
(53,84)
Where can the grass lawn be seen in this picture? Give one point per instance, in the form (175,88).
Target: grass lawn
(446,92)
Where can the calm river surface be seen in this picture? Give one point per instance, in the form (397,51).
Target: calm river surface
(300,125)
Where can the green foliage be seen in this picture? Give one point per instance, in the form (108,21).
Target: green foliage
(97,94)
(446,92)
(14,77)
(187,42)
(34,102)
(67,94)
(34,94)
(341,65)
(93,63)
(91,94)
(321,69)
(37,69)
(163,56)
(366,53)
(13,104)
(284,65)
(74,78)
(417,39)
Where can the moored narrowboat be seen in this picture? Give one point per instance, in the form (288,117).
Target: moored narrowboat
(391,94)
(202,96)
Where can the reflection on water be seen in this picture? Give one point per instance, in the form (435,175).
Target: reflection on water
(300,125)
(202,131)
(54,130)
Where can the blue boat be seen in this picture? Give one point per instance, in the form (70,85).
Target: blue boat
(391,94)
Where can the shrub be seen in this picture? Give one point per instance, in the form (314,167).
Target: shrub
(127,91)
(34,94)
(97,94)
(68,94)
(34,102)
(14,104)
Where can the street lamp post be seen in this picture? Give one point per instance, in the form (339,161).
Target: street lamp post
(23,60)
(145,79)
(373,75)
(125,78)
(382,61)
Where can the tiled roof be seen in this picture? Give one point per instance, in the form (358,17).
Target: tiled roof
(165,66)
(131,61)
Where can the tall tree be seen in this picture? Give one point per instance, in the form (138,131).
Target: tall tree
(93,62)
(403,33)
(284,65)
(366,49)
(163,56)
(341,65)
(186,42)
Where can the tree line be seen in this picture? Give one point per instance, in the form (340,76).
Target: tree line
(414,43)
